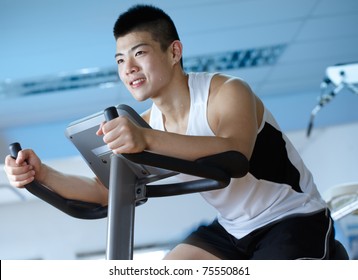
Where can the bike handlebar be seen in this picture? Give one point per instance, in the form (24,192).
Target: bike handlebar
(216,172)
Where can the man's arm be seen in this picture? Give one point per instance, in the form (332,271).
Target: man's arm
(234,115)
(76,187)
(28,167)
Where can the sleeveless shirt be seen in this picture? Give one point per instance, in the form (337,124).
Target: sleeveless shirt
(278,183)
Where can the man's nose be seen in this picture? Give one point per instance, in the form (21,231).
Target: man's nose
(131,68)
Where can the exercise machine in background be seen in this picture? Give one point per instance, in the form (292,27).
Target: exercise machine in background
(338,77)
(342,200)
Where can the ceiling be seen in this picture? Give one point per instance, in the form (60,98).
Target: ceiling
(41,38)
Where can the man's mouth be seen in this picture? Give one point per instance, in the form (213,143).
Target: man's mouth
(137,82)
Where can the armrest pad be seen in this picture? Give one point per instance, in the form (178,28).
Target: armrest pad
(74,208)
(233,163)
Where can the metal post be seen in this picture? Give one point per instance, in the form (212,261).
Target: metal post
(121,210)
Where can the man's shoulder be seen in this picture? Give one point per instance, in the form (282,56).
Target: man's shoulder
(222,83)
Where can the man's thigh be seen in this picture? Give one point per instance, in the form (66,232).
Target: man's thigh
(189,252)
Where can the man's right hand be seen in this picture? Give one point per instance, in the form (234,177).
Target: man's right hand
(24,169)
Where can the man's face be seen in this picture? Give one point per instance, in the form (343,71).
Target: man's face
(142,65)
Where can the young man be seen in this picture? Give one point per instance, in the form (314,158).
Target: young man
(274,212)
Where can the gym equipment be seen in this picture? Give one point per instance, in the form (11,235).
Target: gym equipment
(338,77)
(130,178)
(342,200)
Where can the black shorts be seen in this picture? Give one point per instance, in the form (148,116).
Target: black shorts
(299,237)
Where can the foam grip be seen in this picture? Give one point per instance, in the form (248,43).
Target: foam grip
(14,148)
(110,113)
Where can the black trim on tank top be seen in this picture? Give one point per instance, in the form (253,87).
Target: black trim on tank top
(269,160)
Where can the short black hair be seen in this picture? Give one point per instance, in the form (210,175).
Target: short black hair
(150,19)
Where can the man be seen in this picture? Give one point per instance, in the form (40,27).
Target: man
(274,212)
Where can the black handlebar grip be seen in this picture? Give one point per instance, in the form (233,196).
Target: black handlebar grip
(14,148)
(110,113)
(74,208)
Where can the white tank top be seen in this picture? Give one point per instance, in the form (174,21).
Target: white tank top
(278,183)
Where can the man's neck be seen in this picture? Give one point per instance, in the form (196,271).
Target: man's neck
(175,104)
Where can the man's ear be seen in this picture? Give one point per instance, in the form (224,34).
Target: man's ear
(176,51)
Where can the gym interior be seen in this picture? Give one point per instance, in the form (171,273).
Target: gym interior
(299,56)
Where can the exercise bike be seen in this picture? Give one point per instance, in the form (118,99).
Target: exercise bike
(131,178)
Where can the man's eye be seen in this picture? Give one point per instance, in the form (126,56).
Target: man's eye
(139,53)
(119,61)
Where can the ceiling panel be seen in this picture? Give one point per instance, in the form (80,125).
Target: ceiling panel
(249,37)
(335,26)
(327,49)
(334,7)
(221,15)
